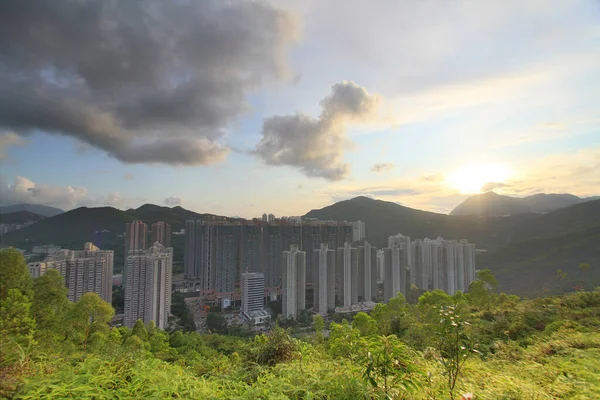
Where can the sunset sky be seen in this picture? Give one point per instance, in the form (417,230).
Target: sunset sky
(285,106)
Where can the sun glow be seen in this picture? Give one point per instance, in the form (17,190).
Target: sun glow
(471,178)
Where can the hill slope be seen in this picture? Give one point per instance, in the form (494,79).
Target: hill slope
(20,217)
(104,226)
(39,209)
(385,218)
(493,204)
(524,251)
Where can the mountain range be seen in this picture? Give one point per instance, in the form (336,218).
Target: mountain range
(524,250)
(20,217)
(493,204)
(39,209)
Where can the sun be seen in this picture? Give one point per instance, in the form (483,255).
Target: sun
(471,178)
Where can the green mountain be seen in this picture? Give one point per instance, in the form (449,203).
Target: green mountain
(493,204)
(524,251)
(39,209)
(385,218)
(104,226)
(20,217)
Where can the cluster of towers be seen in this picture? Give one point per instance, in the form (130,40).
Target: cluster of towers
(348,275)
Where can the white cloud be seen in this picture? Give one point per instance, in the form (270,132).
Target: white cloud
(9,139)
(24,190)
(173,201)
(382,167)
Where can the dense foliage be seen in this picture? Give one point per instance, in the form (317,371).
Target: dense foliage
(491,345)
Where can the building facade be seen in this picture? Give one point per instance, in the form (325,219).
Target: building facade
(253,292)
(293,282)
(88,270)
(323,279)
(148,286)
(161,233)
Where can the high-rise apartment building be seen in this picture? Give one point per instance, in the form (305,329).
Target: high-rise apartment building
(212,254)
(36,269)
(88,270)
(347,277)
(367,272)
(135,239)
(394,282)
(270,218)
(250,242)
(323,279)
(253,292)
(380,266)
(135,236)
(358,231)
(148,285)
(161,233)
(218,252)
(448,265)
(404,243)
(293,282)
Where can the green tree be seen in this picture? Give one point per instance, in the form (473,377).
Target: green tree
(139,330)
(381,315)
(365,324)
(319,327)
(486,276)
(455,345)
(180,309)
(387,366)
(275,347)
(435,298)
(16,324)
(50,303)
(345,341)
(216,323)
(14,273)
(88,315)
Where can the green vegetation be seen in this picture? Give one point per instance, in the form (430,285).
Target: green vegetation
(20,217)
(495,346)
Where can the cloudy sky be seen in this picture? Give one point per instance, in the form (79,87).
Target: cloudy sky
(240,108)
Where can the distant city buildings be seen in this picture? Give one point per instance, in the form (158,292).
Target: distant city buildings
(429,264)
(218,252)
(347,275)
(367,272)
(161,233)
(135,239)
(148,285)
(36,269)
(293,282)
(6,228)
(135,236)
(45,250)
(253,292)
(88,270)
(358,231)
(323,279)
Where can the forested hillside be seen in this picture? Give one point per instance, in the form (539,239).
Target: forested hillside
(481,345)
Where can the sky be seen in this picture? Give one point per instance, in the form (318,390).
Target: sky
(241,108)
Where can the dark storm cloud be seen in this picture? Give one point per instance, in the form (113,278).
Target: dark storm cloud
(147,81)
(316,145)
